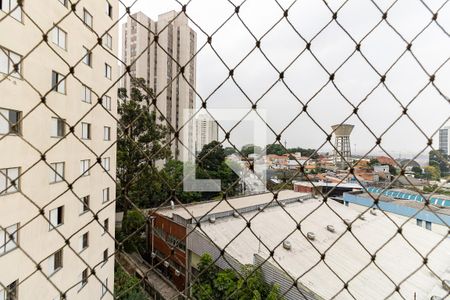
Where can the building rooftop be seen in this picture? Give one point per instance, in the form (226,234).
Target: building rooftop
(329,184)
(345,257)
(199,210)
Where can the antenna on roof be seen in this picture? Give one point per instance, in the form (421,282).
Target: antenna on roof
(172,204)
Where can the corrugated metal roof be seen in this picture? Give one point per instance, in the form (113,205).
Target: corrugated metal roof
(346,257)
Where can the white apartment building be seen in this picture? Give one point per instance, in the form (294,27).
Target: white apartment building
(158,63)
(444,140)
(53,131)
(206,131)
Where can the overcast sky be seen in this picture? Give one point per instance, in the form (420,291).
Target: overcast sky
(355,79)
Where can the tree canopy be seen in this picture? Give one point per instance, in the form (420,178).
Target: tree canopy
(213,283)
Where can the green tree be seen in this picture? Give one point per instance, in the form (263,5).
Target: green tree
(133,227)
(432,172)
(275,149)
(417,171)
(213,283)
(229,151)
(437,158)
(172,176)
(140,144)
(127,287)
(211,156)
(305,152)
(250,149)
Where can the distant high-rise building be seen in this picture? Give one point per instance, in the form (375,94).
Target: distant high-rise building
(52,132)
(206,131)
(444,141)
(167,64)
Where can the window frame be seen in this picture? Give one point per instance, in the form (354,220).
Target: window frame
(8,188)
(59,217)
(12,10)
(108,71)
(88,55)
(106,192)
(86,126)
(85,204)
(84,241)
(106,133)
(57,30)
(57,261)
(86,94)
(54,168)
(13,128)
(84,278)
(10,63)
(58,85)
(108,41)
(109,9)
(6,233)
(85,165)
(106,102)
(85,14)
(11,290)
(106,163)
(58,121)
(105,226)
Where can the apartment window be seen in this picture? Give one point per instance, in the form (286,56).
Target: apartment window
(106,133)
(85,131)
(9,182)
(59,37)
(108,41)
(106,225)
(10,121)
(87,18)
(55,262)
(63,2)
(84,241)
(87,57)
(11,290)
(7,61)
(108,9)
(106,163)
(104,287)
(84,278)
(58,127)
(105,255)
(106,195)
(107,71)
(428,225)
(85,201)
(56,217)
(57,172)
(58,83)
(11,6)
(8,239)
(86,94)
(85,164)
(107,102)
(419,222)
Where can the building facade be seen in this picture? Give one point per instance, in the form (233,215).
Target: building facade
(444,141)
(206,131)
(57,167)
(167,65)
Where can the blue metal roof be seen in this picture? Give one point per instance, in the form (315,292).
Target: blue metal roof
(409,196)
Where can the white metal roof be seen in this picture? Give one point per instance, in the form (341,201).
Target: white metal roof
(346,257)
(200,209)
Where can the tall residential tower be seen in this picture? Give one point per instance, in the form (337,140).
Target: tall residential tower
(166,63)
(57,162)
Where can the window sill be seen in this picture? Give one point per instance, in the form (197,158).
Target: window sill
(83,213)
(54,272)
(56,182)
(82,250)
(82,286)
(8,193)
(52,227)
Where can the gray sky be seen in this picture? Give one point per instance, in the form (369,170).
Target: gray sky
(305,76)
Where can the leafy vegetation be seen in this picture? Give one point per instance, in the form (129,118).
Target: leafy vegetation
(214,283)
(127,287)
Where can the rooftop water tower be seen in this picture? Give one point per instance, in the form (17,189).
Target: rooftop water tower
(342,152)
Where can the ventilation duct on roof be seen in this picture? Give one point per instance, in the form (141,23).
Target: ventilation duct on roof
(347,221)
(287,245)
(283,204)
(212,219)
(436,298)
(172,204)
(235,214)
(300,200)
(330,228)
(153,254)
(261,208)
(373,211)
(166,264)
(361,217)
(177,273)
(311,236)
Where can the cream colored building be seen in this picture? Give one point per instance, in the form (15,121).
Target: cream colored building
(158,63)
(206,131)
(46,171)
